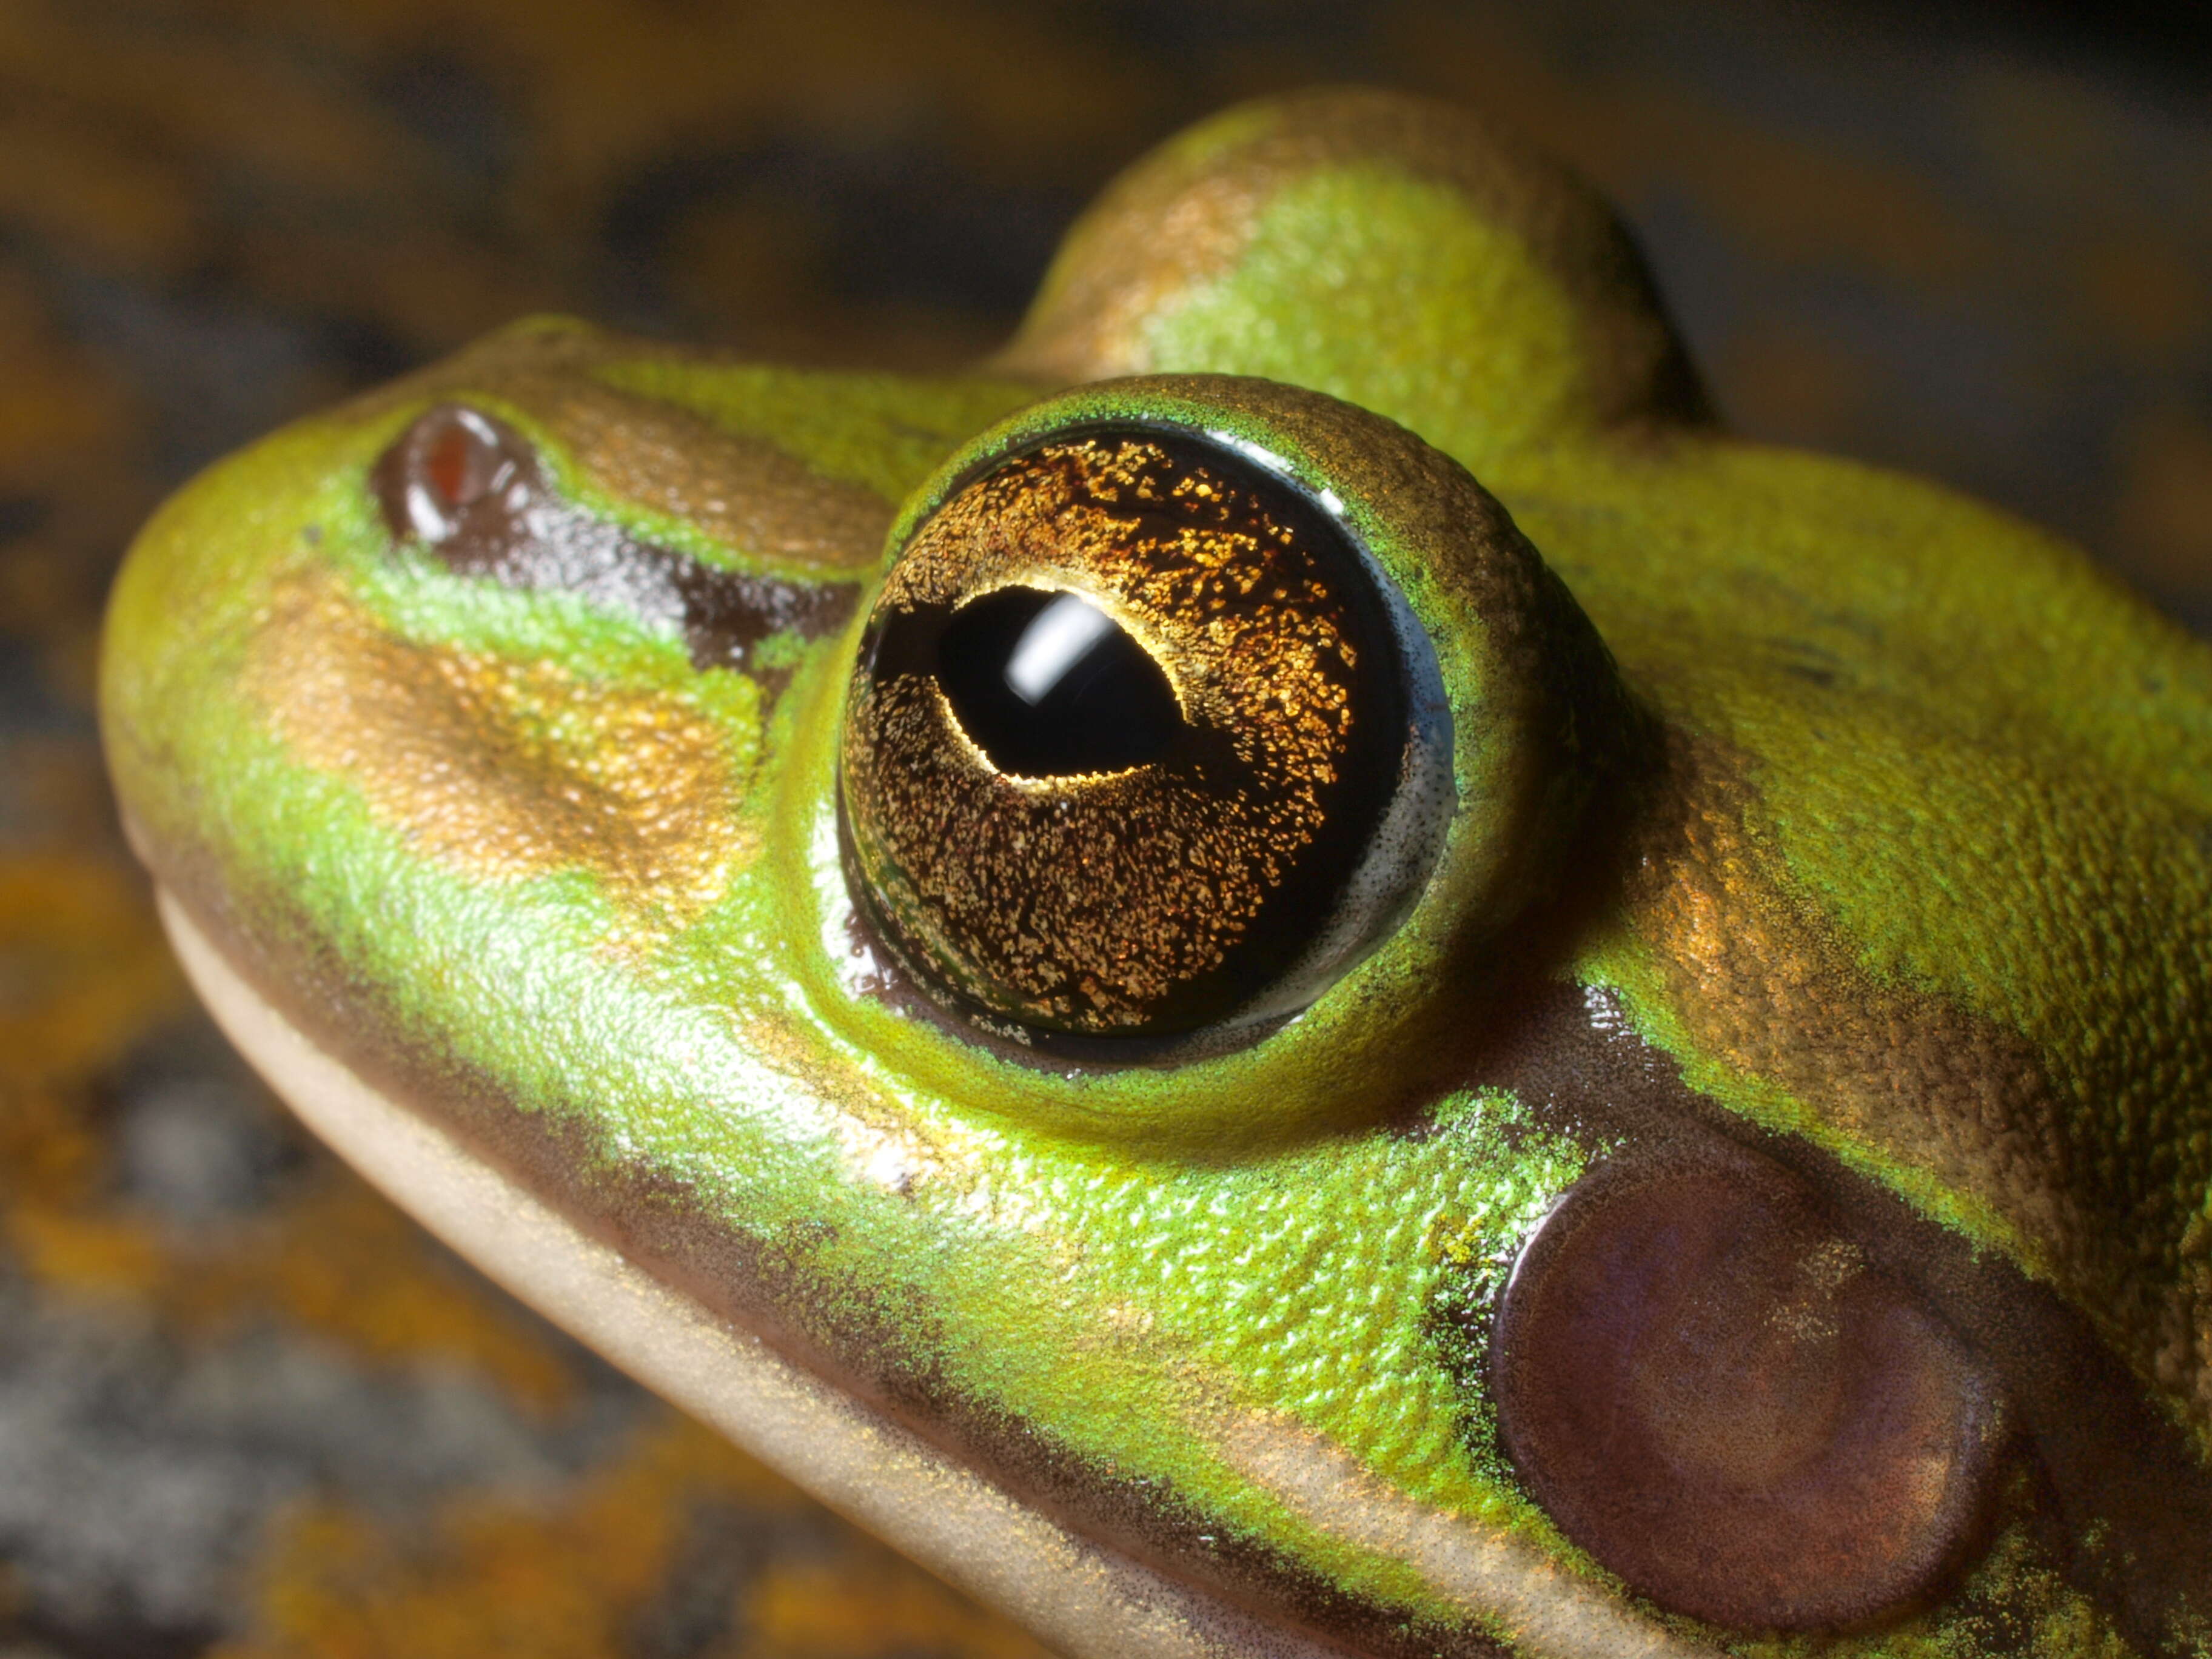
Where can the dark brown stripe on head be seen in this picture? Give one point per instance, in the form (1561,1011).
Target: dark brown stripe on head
(469,489)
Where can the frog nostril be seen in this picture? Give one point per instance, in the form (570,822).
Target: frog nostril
(448,471)
(1708,1389)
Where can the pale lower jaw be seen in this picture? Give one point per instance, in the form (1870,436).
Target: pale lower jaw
(1088,1602)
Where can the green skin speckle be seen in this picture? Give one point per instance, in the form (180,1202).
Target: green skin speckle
(1977,765)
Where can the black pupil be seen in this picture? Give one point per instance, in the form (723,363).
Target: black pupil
(1049,686)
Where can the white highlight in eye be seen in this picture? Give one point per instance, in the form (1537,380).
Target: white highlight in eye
(1256,453)
(1058,638)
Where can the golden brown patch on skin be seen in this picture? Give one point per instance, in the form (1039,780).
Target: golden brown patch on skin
(1185,215)
(505,770)
(1158,232)
(743,492)
(1764,986)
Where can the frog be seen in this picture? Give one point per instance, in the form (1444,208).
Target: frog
(1303,969)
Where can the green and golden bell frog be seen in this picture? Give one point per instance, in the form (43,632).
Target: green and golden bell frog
(1302,972)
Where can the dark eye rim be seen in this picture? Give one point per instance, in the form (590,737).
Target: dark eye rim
(1419,762)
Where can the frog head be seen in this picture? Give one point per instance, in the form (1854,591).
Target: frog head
(1304,970)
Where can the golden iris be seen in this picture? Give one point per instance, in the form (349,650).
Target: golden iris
(1126,716)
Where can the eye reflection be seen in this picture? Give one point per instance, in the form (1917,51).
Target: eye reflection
(1060,636)
(1047,685)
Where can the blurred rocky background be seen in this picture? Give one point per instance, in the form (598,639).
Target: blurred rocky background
(245,1408)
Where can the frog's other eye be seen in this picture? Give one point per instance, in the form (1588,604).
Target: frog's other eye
(453,469)
(1140,741)
(1708,1389)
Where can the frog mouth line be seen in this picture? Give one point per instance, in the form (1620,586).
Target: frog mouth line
(1082,1596)
(1086,1598)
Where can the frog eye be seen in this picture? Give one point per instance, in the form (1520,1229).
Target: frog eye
(1140,742)
(454,471)
(1711,1390)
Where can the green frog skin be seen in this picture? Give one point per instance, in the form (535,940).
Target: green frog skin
(1240,1048)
